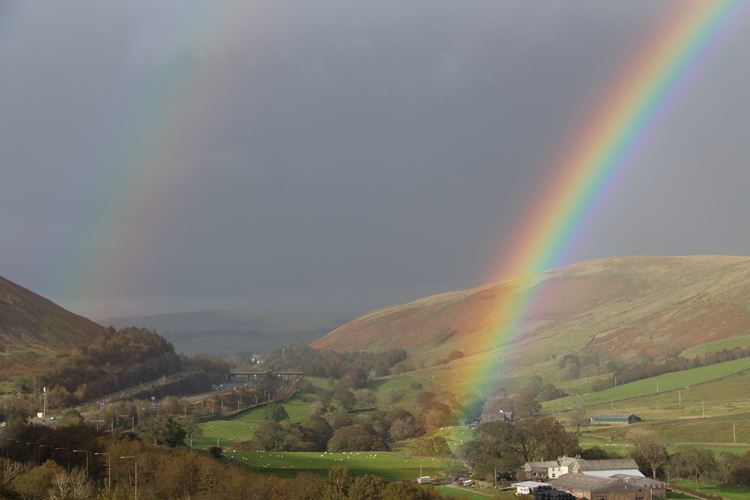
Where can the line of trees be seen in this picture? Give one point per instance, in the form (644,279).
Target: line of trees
(692,463)
(332,364)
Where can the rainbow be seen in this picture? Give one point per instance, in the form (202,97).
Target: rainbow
(146,189)
(594,162)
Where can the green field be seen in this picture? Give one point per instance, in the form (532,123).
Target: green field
(687,381)
(242,428)
(391,466)
(716,346)
(463,492)
(725,491)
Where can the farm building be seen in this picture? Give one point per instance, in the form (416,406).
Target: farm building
(501,416)
(615,419)
(622,487)
(569,465)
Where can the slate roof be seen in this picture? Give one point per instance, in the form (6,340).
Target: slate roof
(541,465)
(608,464)
(581,482)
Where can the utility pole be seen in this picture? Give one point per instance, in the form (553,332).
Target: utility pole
(703,409)
(679,396)
(657,386)
(734,432)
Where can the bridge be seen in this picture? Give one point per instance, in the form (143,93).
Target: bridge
(250,376)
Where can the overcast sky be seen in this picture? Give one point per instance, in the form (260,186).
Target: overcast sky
(333,154)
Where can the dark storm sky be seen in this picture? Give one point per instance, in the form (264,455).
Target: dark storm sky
(364,152)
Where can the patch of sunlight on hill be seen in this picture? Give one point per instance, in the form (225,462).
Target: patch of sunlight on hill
(716,346)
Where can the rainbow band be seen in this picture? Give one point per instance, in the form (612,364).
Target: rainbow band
(614,134)
(153,176)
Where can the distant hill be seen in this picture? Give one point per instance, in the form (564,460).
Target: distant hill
(228,332)
(618,309)
(27,319)
(43,344)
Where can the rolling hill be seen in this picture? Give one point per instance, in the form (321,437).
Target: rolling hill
(621,309)
(40,340)
(34,330)
(27,319)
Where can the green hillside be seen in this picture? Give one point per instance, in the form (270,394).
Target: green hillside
(625,310)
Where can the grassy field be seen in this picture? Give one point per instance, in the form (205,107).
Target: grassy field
(464,492)
(242,428)
(687,381)
(725,491)
(391,466)
(716,346)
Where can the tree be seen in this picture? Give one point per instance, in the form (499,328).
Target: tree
(192,429)
(725,461)
(403,428)
(276,412)
(71,417)
(578,418)
(273,436)
(338,484)
(507,446)
(174,434)
(152,428)
(526,404)
(648,448)
(365,398)
(694,463)
(739,475)
(409,491)
(435,446)
(37,482)
(367,487)
(356,438)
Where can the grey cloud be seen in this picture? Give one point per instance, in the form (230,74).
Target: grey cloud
(353,154)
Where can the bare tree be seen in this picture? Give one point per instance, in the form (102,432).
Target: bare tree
(725,461)
(73,485)
(9,470)
(648,448)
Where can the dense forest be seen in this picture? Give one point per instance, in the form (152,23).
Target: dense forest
(120,359)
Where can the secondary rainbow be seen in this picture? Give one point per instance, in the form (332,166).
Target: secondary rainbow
(612,136)
(151,178)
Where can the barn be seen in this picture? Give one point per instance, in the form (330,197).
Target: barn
(615,419)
